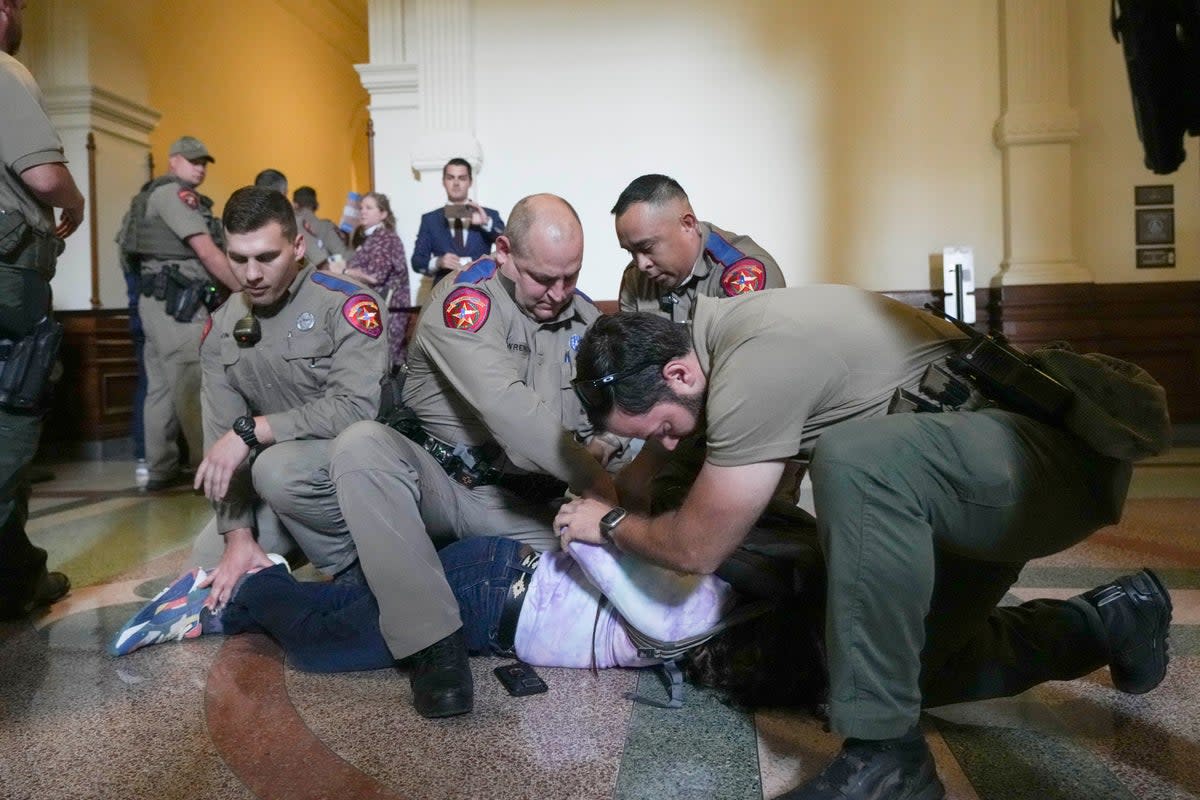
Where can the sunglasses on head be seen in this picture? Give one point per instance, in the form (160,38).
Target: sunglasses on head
(597,393)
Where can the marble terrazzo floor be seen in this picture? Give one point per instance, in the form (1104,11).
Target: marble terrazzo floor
(227,718)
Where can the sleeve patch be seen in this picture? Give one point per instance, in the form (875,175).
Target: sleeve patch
(466,309)
(362,312)
(744,276)
(189,199)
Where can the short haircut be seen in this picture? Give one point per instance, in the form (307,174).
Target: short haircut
(459,162)
(522,219)
(305,196)
(385,206)
(254,207)
(271,179)
(654,189)
(635,342)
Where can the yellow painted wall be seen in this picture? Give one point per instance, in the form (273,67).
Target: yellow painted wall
(262,89)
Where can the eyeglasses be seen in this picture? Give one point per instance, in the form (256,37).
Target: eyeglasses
(597,393)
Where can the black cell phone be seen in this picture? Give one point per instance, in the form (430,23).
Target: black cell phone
(520,679)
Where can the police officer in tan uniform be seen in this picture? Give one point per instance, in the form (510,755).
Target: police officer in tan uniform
(289,362)
(676,257)
(178,241)
(322,241)
(497,433)
(33,182)
(925,519)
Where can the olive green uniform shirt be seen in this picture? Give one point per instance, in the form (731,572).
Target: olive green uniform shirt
(482,370)
(169,208)
(27,139)
(728,265)
(784,366)
(312,374)
(321,239)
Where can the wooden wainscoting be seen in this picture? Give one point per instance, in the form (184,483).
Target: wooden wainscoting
(94,398)
(1154,325)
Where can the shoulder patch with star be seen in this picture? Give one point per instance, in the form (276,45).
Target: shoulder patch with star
(189,198)
(466,309)
(744,276)
(362,312)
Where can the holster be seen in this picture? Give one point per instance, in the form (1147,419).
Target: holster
(26,365)
(188,298)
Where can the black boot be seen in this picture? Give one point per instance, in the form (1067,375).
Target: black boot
(440,676)
(49,588)
(883,769)
(1136,613)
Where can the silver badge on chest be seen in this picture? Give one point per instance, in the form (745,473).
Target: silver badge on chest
(305,321)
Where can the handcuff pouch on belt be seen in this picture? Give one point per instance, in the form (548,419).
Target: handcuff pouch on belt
(26,365)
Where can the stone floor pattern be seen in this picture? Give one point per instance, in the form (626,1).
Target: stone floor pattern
(227,718)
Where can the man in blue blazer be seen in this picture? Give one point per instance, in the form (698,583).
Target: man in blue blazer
(447,242)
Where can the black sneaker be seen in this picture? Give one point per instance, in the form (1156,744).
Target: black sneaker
(1136,612)
(887,769)
(440,676)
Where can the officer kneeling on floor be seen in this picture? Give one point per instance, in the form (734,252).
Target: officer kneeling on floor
(924,519)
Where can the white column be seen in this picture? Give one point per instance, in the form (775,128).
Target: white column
(61,32)
(420,81)
(1035,133)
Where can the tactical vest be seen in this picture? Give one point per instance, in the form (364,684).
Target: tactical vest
(151,237)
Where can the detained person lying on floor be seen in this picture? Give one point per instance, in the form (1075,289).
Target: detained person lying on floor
(588,606)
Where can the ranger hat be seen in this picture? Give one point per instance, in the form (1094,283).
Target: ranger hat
(190,148)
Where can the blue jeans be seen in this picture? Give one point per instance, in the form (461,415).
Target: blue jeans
(329,627)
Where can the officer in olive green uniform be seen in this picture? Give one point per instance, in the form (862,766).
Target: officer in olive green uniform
(925,519)
(31,154)
(498,429)
(677,258)
(315,371)
(728,265)
(175,236)
(321,238)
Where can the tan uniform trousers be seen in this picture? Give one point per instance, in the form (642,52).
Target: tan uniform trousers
(397,500)
(297,508)
(172,356)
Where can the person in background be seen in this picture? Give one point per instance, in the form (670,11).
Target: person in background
(379,262)
(272,179)
(322,242)
(447,241)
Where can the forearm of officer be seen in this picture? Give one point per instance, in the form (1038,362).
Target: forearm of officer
(720,510)
(214,261)
(53,185)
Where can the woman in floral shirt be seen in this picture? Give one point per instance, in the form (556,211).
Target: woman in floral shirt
(379,262)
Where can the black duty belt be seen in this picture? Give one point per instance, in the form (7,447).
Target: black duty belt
(470,466)
(506,636)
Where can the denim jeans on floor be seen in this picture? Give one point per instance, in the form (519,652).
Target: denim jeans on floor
(327,627)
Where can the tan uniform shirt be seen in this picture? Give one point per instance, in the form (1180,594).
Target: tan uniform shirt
(482,370)
(27,139)
(321,239)
(729,265)
(314,372)
(783,366)
(178,208)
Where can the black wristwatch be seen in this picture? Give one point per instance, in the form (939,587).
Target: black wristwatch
(610,521)
(244,427)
